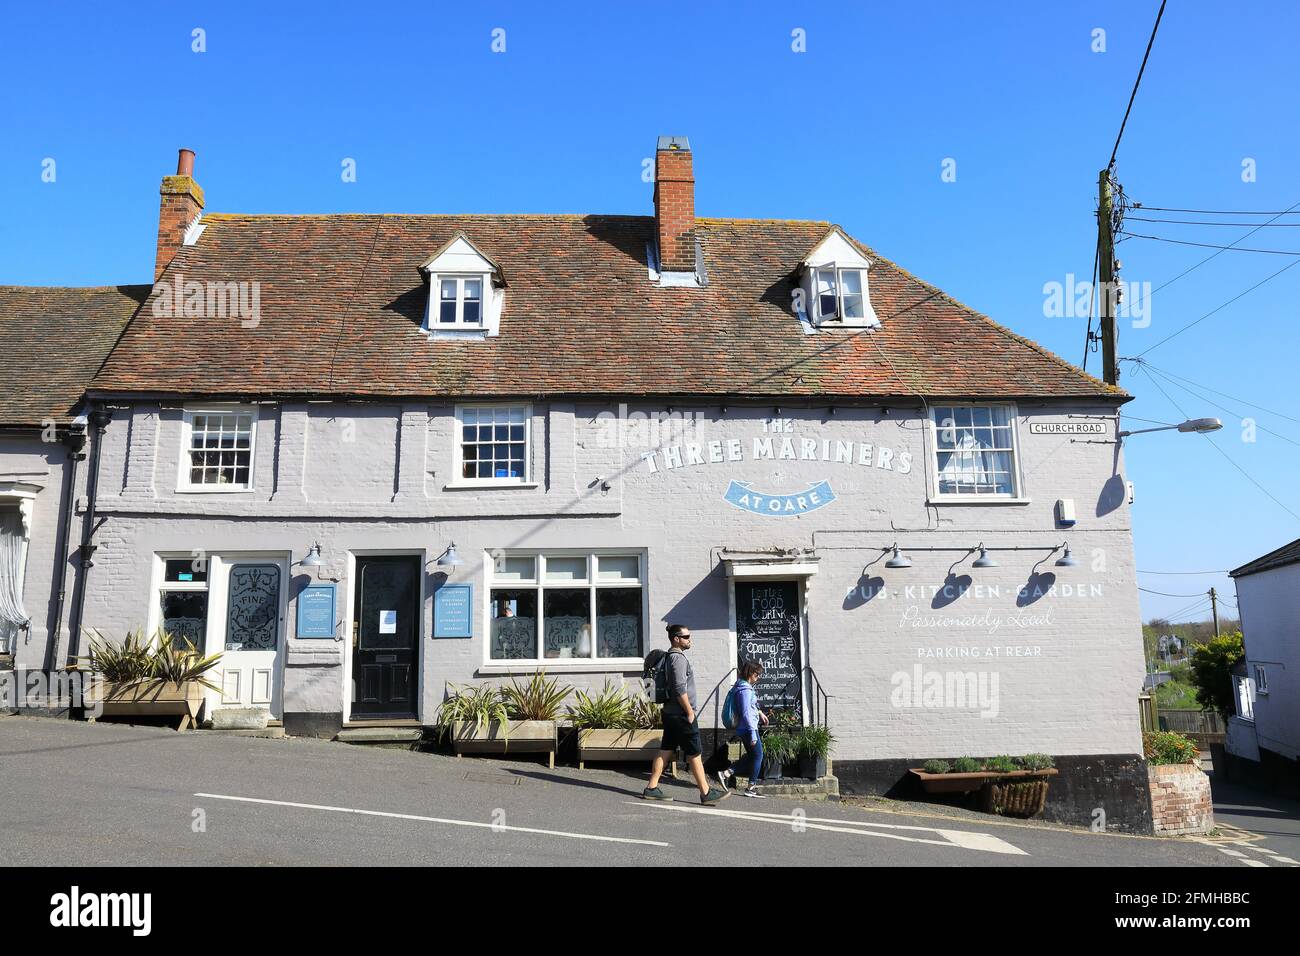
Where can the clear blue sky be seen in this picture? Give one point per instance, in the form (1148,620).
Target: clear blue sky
(854,130)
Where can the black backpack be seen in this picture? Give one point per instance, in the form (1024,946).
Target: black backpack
(655,669)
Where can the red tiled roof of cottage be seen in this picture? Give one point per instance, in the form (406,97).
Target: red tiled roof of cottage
(342,301)
(52,342)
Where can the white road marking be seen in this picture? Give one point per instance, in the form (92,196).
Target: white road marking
(419,819)
(951,838)
(1247,861)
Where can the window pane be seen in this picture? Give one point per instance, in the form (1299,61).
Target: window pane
(253,615)
(618,622)
(566,569)
(566,615)
(515,569)
(514,624)
(186,569)
(447,312)
(625,567)
(853,307)
(185,617)
(449,289)
(473,289)
(470,312)
(826,293)
(975,457)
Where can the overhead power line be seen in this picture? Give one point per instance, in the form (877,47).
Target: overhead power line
(1222,408)
(1211,222)
(1164,594)
(1210,245)
(1140,571)
(1214,212)
(1168,374)
(1137,83)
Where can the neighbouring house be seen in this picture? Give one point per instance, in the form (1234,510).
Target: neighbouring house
(1264,734)
(369,456)
(52,342)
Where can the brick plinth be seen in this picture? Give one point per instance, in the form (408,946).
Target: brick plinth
(1180,800)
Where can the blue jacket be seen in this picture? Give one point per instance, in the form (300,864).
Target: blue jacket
(746,709)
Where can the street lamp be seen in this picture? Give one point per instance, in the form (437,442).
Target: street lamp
(1198,425)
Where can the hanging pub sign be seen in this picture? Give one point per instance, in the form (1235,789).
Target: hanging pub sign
(316,611)
(452,610)
(767,631)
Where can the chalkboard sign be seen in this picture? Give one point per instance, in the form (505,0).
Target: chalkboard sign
(316,610)
(767,630)
(452,610)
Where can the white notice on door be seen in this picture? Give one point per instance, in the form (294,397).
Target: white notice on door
(387,622)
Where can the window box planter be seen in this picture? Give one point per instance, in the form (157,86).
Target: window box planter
(614,744)
(969,782)
(1022,793)
(518,736)
(147,699)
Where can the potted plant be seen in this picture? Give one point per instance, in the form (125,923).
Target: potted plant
(488,719)
(812,748)
(142,678)
(614,726)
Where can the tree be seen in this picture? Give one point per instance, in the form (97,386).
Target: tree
(1212,665)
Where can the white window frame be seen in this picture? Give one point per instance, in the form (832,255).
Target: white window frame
(458,479)
(1017,495)
(183,483)
(539,584)
(1261,680)
(161,584)
(839,293)
(435,295)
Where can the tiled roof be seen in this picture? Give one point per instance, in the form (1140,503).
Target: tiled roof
(52,342)
(342,300)
(1287,554)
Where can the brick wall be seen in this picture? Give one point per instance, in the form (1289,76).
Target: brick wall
(1180,800)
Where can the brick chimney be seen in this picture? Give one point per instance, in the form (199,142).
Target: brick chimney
(675,204)
(182,203)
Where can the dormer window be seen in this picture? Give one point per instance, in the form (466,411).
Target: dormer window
(833,284)
(839,294)
(460,301)
(466,292)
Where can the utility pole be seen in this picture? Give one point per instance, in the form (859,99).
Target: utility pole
(1106,276)
(1214,608)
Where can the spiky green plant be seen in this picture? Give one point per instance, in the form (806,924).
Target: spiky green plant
(482,705)
(178,665)
(609,709)
(780,746)
(815,741)
(539,699)
(643,713)
(126,663)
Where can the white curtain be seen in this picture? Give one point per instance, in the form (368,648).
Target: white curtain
(12,549)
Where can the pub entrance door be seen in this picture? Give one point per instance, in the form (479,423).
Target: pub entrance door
(769,629)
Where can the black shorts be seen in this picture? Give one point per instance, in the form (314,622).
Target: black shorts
(683,733)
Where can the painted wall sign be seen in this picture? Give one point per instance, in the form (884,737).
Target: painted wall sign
(1067,428)
(817,495)
(316,611)
(778,448)
(452,610)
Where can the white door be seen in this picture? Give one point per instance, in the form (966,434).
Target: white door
(248,604)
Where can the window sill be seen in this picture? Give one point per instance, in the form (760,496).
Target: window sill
(976,500)
(562,665)
(213,490)
(460,485)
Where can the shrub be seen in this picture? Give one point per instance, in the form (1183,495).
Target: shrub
(1036,762)
(138,660)
(935,766)
(1001,764)
(481,705)
(1212,666)
(815,742)
(539,699)
(608,710)
(966,765)
(1165,747)
(643,713)
(780,746)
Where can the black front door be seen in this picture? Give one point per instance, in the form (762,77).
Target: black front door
(386,637)
(767,630)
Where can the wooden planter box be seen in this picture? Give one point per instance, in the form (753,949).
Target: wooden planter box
(968,782)
(1019,794)
(523,736)
(607,744)
(147,699)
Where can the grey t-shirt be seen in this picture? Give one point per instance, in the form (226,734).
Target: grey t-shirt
(681,679)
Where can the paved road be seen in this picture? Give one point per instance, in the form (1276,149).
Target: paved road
(1269,825)
(87,794)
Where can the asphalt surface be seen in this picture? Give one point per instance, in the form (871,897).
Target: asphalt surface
(1268,825)
(77,794)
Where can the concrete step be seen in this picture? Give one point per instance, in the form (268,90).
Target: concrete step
(380,735)
(274,733)
(823,788)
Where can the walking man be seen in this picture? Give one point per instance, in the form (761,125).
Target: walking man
(681,723)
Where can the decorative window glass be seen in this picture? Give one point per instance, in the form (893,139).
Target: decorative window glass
(218,451)
(183,602)
(253,614)
(582,606)
(839,294)
(975,450)
(460,300)
(493,444)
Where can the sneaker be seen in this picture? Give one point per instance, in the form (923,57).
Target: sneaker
(753,792)
(714,796)
(655,793)
(723,776)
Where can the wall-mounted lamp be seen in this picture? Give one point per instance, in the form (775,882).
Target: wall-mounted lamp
(449,558)
(898,560)
(984,560)
(1066,560)
(313,559)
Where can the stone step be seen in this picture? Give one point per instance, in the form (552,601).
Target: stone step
(823,788)
(274,733)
